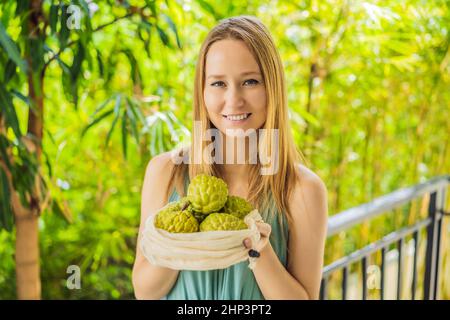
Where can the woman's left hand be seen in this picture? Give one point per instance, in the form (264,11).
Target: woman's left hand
(265,229)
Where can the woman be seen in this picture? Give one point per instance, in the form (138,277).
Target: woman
(240,84)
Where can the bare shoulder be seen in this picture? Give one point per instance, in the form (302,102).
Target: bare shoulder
(157,175)
(309,199)
(155,184)
(309,179)
(158,164)
(309,182)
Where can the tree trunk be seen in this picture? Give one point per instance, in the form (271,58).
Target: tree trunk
(27,219)
(27,257)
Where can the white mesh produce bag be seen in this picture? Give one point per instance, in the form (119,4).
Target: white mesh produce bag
(207,250)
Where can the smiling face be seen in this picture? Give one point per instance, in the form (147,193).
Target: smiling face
(234,94)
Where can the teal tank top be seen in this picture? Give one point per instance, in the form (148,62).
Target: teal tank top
(236,282)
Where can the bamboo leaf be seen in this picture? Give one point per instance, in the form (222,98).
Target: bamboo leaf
(153,137)
(64,32)
(169,124)
(160,137)
(23,98)
(22,6)
(8,108)
(146,27)
(303,114)
(63,212)
(101,69)
(124,133)
(116,117)
(133,125)
(6,213)
(207,7)
(10,70)
(136,110)
(97,120)
(54,11)
(75,71)
(174,29)
(12,49)
(103,105)
(77,61)
(4,145)
(152,5)
(163,36)
(47,158)
(135,72)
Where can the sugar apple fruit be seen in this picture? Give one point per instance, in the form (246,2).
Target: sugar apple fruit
(207,193)
(175,218)
(237,206)
(185,204)
(180,205)
(222,221)
(197,215)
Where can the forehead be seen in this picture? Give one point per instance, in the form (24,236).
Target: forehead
(229,57)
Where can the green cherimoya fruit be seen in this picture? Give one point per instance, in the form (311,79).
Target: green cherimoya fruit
(237,206)
(185,204)
(179,205)
(199,216)
(176,220)
(222,221)
(207,193)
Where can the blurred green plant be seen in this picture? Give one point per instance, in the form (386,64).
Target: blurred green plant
(34,35)
(368,95)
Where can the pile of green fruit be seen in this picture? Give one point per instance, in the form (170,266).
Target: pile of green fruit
(207,207)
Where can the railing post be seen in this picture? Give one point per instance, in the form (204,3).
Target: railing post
(383,272)
(440,209)
(323,288)
(430,260)
(416,254)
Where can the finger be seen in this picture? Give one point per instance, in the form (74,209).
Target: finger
(264,228)
(247,243)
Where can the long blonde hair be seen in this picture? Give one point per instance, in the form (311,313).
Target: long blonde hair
(279,186)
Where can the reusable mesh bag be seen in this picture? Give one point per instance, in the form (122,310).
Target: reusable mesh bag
(207,250)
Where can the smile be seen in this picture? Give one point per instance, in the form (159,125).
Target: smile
(237,117)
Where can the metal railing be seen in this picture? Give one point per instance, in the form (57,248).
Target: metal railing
(436,189)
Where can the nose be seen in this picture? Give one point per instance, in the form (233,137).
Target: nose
(234,98)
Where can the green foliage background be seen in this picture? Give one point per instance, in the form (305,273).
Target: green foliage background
(369,96)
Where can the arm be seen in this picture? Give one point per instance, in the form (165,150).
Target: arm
(149,281)
(301,278)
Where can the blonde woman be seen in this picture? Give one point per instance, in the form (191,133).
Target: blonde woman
(240,84)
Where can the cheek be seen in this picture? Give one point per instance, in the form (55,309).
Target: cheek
(212,101)
(259,103)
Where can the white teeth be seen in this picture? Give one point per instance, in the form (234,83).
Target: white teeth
(238,117)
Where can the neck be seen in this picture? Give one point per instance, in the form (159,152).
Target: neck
(235,171)
(235,168)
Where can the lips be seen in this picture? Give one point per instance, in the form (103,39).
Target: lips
(237,117)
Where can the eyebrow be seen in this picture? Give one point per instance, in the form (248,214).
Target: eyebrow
(242,74)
